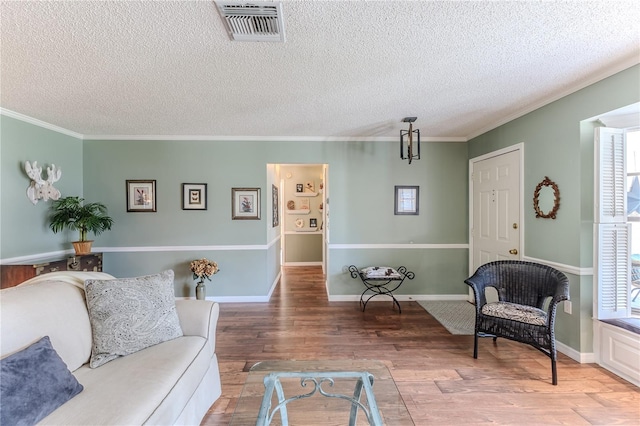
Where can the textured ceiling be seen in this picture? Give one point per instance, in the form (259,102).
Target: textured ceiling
(347,68)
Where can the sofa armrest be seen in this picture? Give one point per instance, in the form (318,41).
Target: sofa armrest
(199,318)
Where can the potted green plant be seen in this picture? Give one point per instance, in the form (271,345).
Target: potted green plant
(72,213)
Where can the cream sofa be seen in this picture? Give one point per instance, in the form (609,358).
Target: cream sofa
(174,382)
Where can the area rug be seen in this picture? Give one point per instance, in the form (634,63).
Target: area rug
(457,316)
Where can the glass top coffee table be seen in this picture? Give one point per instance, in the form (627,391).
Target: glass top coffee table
(345,392)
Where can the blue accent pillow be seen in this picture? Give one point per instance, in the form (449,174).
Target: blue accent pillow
(33,383)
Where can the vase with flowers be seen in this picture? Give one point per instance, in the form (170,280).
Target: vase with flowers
(201,269)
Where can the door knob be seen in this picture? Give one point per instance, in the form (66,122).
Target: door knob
(513,251)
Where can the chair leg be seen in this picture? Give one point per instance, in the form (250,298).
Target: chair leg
(554,371)
(475,345)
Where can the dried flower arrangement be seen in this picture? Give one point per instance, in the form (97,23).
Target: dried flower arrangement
(203,268)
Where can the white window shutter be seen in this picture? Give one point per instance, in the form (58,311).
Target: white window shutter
(613,268)
(612,263)
(611,176)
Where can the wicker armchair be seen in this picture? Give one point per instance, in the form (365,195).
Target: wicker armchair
(528,296)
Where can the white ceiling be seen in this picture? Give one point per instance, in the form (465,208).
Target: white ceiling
(347,68)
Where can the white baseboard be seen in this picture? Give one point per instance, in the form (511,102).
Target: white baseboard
(402,297)
(335,298)
(274,285)
(442,297)
(232,299)
(582,358)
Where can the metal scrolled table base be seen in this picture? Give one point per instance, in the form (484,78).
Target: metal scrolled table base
(364,381)
(380,286)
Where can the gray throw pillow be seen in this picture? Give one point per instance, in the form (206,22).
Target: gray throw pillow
(130,314)
(33,383)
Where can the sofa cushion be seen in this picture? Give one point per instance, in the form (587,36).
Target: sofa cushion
(150,386)
(33,383)
(380,272)
(130,314)
(51,308)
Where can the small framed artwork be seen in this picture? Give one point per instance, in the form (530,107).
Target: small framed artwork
(141,195)
(194,196)
(274,202)
(309,186)
(299,187)
(245,203)
(304,204)
(313,222)
(406,200)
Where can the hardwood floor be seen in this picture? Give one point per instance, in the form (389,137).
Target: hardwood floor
(440,382)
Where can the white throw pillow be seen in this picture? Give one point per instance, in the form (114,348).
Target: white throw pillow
(130,314)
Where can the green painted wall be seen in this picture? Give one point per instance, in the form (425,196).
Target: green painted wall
(305,247)
(109,164)
(362,176)
(242,272)
(24,229)
(559,144)
(438,271)
(361,185)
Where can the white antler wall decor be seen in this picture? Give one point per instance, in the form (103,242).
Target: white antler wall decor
(40,188)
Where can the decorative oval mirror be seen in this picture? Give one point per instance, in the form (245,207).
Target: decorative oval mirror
(546,198)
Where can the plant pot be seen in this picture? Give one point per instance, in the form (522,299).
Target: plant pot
(82,247)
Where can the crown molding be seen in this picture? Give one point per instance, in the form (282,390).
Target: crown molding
(266,138)
(608,72)
(44,124)
(40,123)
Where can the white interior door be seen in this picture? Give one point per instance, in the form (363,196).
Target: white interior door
(496,208)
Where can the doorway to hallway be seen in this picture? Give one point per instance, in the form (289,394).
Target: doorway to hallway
(304,207)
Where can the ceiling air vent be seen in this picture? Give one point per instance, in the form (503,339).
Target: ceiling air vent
(256,21)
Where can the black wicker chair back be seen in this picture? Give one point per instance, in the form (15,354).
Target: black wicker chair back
(528,297)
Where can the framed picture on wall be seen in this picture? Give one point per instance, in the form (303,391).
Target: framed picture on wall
(274,202)
(299,187)
(245,203)
(194,196)
(141,195)
(406,200)
(313,222)
(304,204)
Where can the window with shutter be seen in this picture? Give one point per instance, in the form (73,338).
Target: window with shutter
(613,234)
(633,212)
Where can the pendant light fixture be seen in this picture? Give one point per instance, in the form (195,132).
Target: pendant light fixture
(410,138)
